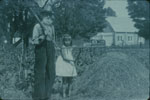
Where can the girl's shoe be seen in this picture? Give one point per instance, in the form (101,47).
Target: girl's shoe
(64,95)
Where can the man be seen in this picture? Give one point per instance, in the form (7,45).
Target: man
(44,69)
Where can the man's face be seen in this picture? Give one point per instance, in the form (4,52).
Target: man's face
(48,20)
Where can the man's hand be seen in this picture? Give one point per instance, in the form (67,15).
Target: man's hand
(41,38)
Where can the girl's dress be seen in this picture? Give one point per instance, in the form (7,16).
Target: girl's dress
(64,68)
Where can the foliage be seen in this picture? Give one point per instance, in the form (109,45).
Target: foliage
(16,20)
(139,11)
(13,84)
(79,17)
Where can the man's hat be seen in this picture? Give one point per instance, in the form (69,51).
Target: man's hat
(46,13)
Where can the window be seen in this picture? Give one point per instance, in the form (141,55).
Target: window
(94,41)
(129,38)
(101,37)
(119,38)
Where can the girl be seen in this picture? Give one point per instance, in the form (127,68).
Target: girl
(65,67)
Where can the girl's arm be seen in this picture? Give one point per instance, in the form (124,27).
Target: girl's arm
(64,56)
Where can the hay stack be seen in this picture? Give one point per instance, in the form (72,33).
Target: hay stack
(116,75)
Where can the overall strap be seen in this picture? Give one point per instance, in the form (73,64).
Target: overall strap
(43,30)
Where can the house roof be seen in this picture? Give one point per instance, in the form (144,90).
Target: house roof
(103,33)
(100,35)
(122,24)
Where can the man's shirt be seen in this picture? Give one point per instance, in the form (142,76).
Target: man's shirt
(39,33)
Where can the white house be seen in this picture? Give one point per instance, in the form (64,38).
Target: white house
(120,32)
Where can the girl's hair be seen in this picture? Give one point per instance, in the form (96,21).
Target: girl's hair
(65,37)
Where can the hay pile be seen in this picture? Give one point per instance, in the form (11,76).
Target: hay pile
(141,55)
(116,75)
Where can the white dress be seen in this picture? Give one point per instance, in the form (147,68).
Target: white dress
(63,68)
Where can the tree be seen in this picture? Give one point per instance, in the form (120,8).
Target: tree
(79,17)
(16,20)
(75,17)
(139,10)
(110,12)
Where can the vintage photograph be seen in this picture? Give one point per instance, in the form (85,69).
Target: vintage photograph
(74,50)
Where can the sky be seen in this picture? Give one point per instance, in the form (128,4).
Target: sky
(119,6)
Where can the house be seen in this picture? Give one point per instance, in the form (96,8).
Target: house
(119,32)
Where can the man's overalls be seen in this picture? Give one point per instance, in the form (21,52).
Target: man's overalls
(44,70)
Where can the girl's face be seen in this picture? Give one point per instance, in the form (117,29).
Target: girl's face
(68,42)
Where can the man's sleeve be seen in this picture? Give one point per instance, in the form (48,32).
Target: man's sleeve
(35,36)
